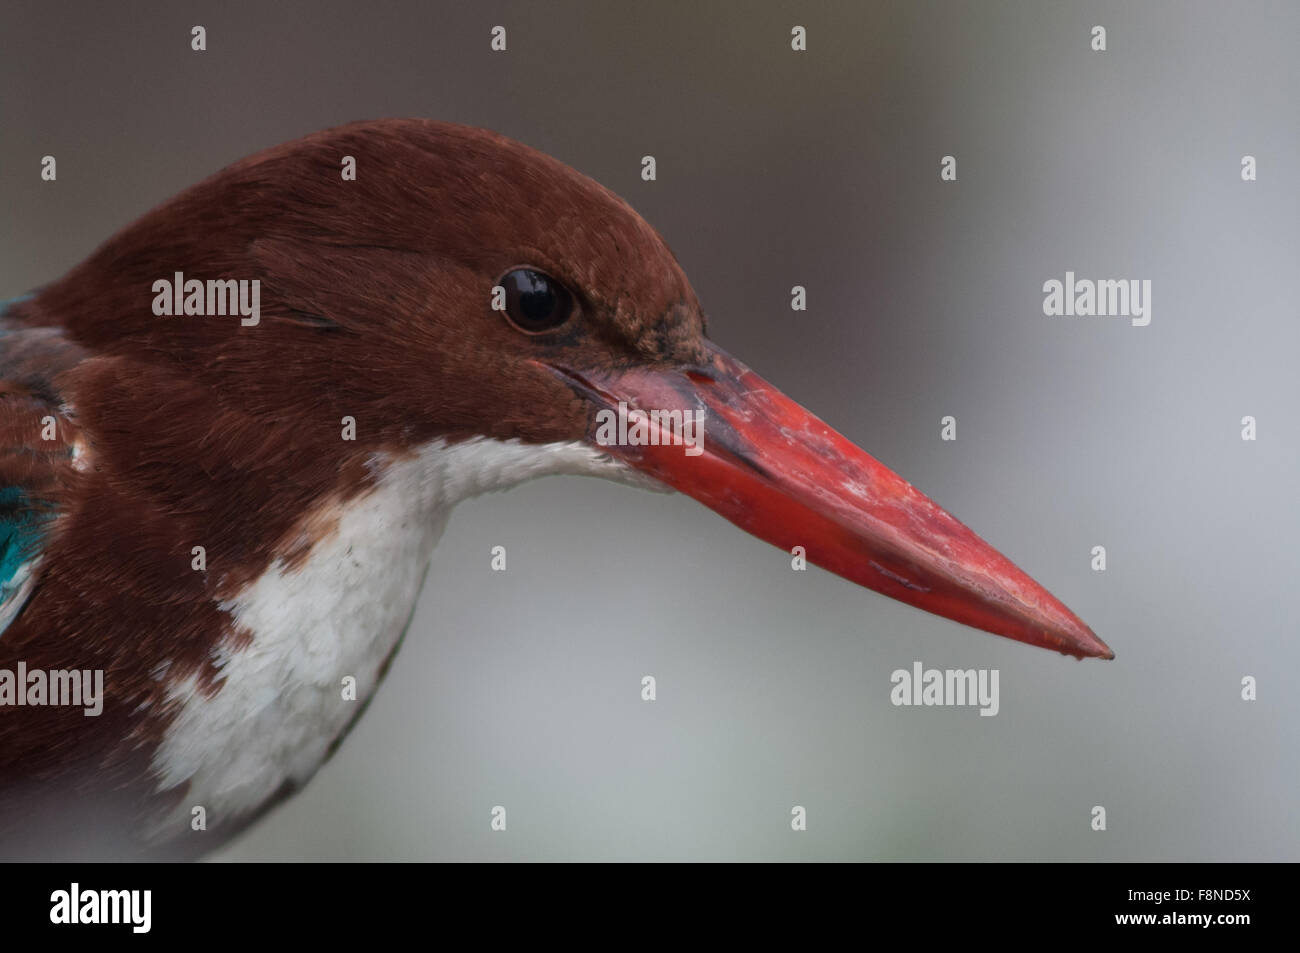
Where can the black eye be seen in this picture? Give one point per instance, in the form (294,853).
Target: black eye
(536,302)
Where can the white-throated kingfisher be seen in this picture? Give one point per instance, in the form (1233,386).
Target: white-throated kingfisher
(224,496)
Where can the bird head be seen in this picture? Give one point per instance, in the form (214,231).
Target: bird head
(463,286)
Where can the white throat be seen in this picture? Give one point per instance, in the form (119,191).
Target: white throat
(338,614)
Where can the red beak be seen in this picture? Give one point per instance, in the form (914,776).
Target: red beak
(776,471)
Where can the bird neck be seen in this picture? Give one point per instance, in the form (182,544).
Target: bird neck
(313,639)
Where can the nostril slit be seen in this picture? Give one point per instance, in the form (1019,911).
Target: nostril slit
(700,377)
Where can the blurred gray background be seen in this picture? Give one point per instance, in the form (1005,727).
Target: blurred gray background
(822,169)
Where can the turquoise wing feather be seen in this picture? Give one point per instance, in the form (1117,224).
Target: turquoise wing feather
(22,532)
(37,442)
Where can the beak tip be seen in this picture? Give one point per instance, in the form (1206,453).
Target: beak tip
(1089,646)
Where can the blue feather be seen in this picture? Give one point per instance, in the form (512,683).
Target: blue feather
(10,302)
(22,532)
(7,305)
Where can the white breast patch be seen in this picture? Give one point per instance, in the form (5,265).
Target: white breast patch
(341,612)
